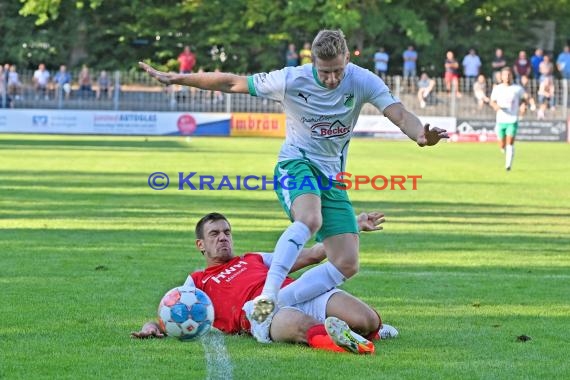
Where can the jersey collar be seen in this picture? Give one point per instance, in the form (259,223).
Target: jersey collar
(315,75)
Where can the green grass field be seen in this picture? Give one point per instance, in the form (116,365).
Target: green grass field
(472,259)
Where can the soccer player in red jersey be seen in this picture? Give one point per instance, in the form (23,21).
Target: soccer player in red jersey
(332,321)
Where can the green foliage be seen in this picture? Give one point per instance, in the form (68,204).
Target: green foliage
(254,34)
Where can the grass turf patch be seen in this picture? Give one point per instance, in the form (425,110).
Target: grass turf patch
(472,259)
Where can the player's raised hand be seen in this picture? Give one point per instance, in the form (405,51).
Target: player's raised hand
(370,221)
(431,136)
(149,330)
(161,76)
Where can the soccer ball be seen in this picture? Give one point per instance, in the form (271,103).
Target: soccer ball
(185,313)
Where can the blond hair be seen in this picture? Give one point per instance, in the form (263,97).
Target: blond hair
(329,44)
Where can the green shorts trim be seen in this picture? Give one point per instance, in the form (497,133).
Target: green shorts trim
(298,177)
(506,129)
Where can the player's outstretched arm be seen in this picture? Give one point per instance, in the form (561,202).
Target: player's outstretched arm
(149,330)
(367,221)
(412,126)
(213,81)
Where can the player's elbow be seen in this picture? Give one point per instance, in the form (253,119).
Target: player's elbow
(396,114)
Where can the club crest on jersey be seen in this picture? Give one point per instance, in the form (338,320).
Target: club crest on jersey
(325,130)
(349,100)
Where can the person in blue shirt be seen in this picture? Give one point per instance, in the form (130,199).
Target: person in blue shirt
(563,62)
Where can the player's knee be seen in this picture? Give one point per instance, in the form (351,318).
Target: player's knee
(312,221)
(290,325)
(347,266)
(366,321)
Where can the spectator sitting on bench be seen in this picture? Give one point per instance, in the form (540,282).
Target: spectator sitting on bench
(62,80)
(425,88)
(104,85)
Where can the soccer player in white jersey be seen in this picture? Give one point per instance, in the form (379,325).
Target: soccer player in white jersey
(506,99)
(322,101)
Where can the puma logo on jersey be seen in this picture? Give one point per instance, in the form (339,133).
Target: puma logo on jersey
(305,97)
(299,246)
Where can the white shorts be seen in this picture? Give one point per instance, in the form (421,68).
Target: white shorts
(316,307)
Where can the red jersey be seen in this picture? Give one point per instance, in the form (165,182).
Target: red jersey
(187,61)
(232,284)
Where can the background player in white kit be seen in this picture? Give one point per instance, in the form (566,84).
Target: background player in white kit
(322,101)
(506,99)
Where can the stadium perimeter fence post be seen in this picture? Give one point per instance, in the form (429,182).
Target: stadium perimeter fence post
(453,98)
(172,98)
(565,99)
(397,85)
(116,90)
(4,92)
(59,94)
(228,103)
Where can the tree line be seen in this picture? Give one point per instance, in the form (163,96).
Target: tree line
(252,35)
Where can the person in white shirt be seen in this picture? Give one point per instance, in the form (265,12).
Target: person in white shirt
(41,80)
(322,102)
(506,99)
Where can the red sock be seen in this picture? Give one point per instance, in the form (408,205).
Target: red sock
(375,335)
(318,338)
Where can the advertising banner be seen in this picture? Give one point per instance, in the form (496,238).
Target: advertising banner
(529,130)
(258,124)
(114,122)
(380,126)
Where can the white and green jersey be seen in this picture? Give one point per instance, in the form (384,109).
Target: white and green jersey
(319,120)
(508,98)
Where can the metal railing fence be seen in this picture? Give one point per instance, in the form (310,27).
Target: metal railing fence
(136,91)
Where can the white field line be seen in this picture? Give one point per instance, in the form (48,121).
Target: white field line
(218,363)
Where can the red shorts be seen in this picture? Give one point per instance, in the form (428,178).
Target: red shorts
(450,76)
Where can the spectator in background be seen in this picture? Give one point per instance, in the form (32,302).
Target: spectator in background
(471,67)
(530,93)
(410,57)
(546,96)
(498,64)
(5,72)
(563,62)
(186,61)
(103,85)
(41,81)
(4,98)
(84,82)
(291,56)
(535,61)
(425,88)
(451,76)
(521,66)
(62,80)
(305,54)
(14,84)
(546,68)
(381,59)
(480,91)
